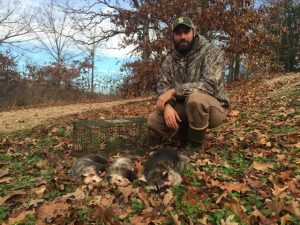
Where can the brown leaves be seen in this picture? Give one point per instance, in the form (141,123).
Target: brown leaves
(20,217)
(235,186)
(262,166)
(238,171)
(57,208)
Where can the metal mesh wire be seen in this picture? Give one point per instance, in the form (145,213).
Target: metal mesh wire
(110,136)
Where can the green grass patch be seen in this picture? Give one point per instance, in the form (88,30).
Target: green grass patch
(3,212)
(219,214)
(191,211)
(29,220)
(51,195)
(46,143)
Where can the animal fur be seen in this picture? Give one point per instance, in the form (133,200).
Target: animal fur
(87,164)
(121,172)
(164,167)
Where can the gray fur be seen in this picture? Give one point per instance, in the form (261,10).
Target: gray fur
(87,163)
(164,165)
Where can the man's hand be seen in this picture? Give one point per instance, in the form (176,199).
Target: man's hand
(171,117)
(162,99)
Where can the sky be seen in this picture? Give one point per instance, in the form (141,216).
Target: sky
(109,57)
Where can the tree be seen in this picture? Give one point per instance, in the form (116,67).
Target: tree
(85,38)
(54,32)
(285,14)
(15,24)
(235,25)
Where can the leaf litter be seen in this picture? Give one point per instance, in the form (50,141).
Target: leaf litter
(248,173)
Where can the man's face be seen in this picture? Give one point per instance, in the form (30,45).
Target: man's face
(183,38)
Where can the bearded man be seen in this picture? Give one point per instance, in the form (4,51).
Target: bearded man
(191,90)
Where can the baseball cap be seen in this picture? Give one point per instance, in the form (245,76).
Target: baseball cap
(183,20)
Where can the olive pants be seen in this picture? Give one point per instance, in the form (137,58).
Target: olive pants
(198,112)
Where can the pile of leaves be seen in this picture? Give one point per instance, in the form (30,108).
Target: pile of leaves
(248,173)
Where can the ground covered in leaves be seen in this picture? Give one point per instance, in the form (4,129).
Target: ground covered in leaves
(248,173)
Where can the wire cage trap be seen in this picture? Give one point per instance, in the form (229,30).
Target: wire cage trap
(110,136)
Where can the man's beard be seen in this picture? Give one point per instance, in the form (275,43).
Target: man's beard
(183,49)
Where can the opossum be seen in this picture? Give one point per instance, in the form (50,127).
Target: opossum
(163,168)
(87,164)
(120,172)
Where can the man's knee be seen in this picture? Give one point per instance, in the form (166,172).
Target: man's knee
(200,99)
(204,110)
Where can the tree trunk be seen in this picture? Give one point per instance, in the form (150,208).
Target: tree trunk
(230,70)
(237,63)
(93,69)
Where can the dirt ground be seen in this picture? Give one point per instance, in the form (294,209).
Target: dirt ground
(28,118)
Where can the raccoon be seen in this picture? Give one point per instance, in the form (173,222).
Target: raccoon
(163,168)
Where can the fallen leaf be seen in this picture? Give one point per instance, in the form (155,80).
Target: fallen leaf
(235,186)
(139,220)
(229,221)
(5,180)
(256,183)
(20,217)
(234,113)
(237,208)
(285,175)
(168,197)
(285,219)
(278,190)
(78,194)
(203,221)
(51,210)
(275,206)
(260,218)
(223,195)
(281,157)
(102,200)
(39,191)
(34,202)
(262,166)
(155,201)
(144,197)
(12,195)
(294,185)
(293,207)
(138,167)
(4,173)
(126,191)
(175,219)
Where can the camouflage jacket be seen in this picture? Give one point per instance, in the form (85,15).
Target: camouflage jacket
(201,70)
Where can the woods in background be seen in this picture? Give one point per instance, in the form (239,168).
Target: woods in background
(258,37)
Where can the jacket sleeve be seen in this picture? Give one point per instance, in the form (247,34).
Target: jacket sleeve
(165,77)
(211,79)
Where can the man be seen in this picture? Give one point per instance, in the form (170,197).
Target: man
(191,88)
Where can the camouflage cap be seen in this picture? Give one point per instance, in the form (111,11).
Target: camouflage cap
(183,20)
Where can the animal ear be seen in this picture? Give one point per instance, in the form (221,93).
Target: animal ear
(165,174)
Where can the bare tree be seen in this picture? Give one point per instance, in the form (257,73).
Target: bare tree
(54,32)
(15,23)
(85,38)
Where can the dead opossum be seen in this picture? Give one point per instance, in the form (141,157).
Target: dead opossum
(163,168)
(87,164)
(121,172)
